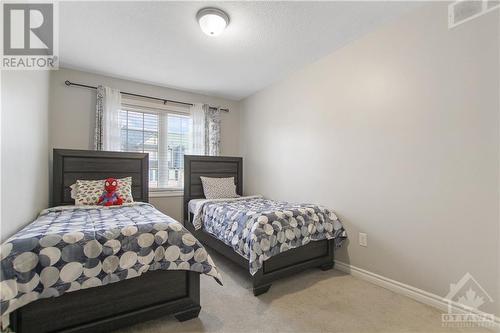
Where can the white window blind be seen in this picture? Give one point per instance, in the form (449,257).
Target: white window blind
(166,136)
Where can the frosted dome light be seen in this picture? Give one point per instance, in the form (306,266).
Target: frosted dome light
(212,21)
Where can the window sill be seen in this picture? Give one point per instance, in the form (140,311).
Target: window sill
(166,193)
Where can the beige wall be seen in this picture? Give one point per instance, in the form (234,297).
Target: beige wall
(73,111)
(399,133)
(24,152)
(171,205)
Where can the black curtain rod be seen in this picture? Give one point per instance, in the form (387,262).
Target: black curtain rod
(165,101)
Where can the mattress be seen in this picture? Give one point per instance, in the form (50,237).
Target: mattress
(193,203)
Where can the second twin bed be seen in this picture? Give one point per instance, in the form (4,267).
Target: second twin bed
(270,239)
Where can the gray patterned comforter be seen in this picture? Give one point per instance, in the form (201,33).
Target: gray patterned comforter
(71,248)
(259,228)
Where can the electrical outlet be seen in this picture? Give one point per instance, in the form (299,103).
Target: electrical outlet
(363,239)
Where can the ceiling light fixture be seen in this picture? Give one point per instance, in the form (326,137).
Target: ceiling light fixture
(212,21)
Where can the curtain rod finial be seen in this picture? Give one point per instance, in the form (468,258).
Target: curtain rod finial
(67,83)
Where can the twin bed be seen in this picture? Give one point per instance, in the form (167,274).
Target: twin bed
(67,251)
(269,239)
(49,270)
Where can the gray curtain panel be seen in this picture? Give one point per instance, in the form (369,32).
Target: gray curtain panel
(212,131)
(99,110)
(107,119)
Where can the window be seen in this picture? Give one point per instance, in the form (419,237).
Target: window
(165,135)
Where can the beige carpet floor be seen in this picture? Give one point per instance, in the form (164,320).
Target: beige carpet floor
(312,301)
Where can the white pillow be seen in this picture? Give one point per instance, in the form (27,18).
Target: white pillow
(219,188)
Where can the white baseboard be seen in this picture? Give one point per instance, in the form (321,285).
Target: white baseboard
(419,295)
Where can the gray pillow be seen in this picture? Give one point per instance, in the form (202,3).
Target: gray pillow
(219,188)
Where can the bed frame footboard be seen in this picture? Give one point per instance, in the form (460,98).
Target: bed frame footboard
(315,254)
(116,305)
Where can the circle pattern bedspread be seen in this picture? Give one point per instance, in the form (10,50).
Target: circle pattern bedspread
(70,248)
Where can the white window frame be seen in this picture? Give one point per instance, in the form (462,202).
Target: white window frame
(484,9)
(148,106)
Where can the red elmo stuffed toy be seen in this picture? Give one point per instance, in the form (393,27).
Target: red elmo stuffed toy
(110,197)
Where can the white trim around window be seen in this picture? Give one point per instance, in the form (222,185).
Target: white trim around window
(165,193)
(143,104)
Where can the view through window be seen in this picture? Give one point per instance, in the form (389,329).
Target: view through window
(165,136)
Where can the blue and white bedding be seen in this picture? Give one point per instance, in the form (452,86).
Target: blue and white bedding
(76,247)
(258,228)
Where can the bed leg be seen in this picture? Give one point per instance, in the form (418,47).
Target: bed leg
(259,290)
(326,267)
(188,314)
(259,286)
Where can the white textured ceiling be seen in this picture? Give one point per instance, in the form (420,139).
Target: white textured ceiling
(161,43)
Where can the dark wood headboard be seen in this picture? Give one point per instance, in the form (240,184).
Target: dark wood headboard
(70,165)
(209,166)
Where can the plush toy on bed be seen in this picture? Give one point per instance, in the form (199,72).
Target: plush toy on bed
(110,196)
